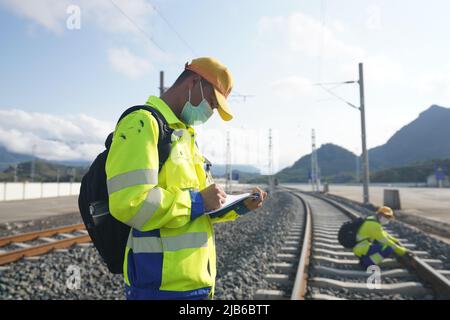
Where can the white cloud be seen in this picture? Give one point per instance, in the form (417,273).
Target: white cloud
(80,137)
(72,137)
(294,86)
(373,21)
(378,70)
(433,84)
(52,14)
(122,17)
(305,34)
(247,146)
(116,16)
(128,64)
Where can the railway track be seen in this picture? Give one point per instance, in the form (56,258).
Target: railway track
(313,265)
(16,247)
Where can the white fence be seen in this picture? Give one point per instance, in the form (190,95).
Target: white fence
(36,190)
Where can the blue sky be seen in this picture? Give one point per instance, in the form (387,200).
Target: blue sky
(62,90)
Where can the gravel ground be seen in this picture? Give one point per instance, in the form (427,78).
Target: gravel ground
(245,247)
(12,228)
(49,276)
(347,294)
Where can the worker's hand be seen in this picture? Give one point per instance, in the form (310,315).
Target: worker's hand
(253,204)
(213,197)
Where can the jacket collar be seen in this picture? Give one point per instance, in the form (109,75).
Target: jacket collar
(165,110)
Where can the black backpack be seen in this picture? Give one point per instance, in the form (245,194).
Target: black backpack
(108,234)
(347,232)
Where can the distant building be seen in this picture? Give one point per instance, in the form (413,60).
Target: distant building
(433,182)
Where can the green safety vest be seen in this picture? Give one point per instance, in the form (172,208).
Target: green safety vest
(370,231)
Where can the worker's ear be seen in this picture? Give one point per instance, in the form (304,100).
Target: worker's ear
(192,81)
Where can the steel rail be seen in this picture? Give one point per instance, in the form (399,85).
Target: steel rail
(40,249)
(14,255)
(301,278)
(37,234)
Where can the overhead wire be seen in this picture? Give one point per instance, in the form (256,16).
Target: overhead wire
(180,37)
(178,34)
(149,37)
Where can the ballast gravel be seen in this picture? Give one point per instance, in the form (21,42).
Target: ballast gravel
(245,248)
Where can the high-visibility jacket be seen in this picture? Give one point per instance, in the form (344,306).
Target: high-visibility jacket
(170,251)
(370,231)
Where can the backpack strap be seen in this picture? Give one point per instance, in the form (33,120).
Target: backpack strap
(165,132)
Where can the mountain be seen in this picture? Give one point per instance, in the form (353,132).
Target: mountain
(336,164)
(425,138)
(219,170)
(8,158)
(45,171)
(409,155)
(74,163)
(417,172)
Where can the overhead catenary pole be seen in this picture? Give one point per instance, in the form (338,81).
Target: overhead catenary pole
(357,167)
(33,162)
(270,164)
(228,169)
(365,155)
(15,172)
(312,160)
(315,179)
(161,83)
(362,110)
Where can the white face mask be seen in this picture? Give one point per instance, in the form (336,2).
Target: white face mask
(383,220)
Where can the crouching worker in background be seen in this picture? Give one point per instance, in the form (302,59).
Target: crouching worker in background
(373,243)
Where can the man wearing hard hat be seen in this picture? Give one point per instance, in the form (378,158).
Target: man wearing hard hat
(170,252)
(374,244)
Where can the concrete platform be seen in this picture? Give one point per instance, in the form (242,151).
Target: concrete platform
(19,210)
(431,203)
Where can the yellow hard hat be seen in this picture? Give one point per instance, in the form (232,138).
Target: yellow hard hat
(219,76)
(386,211)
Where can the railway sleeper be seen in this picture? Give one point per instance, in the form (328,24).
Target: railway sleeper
(414,289)
(287,257)
(335,240)
(355,274)
(389,263)
(283,267)
(322,296)
(338,246)
(47,239)
(269,294)
(21,245)
(280,279)
(351,254)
